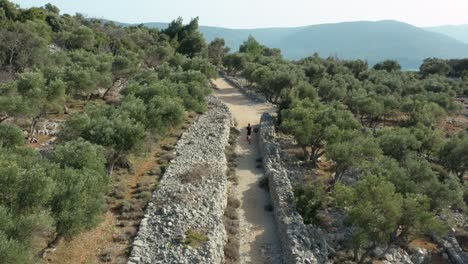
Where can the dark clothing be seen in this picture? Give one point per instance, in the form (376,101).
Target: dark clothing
(249,131)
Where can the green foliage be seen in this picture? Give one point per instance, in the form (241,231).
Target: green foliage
(11,136)
(434,66)
(312,124)
(47,58)
(234,62)
(80,154)
(78,201)
(80,38)
(12,251)
(388,65)
(308,200)
(374,211)
(84,71)
(21,46)
(454,154)
(51,8)
(74,127)
(187,39)
(157,55)
(163,113)
(217,50)
(202,65)
(11,10)
(354,150)
(426,113)
(122,66)
(26,184)
(417,219)
(251,47)
(398,143)
(111,129)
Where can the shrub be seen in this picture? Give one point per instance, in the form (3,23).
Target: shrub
(196,174)
(107,255)
(131,231)
(163,169)
(309,200)
(231,213)
(232,226)
(233,202)
(166,158)
(264,183)
(167,147)
(194,238)
(10,136)
(125,206)
(121,237)
(231,249)
(118,192)
(144,196)
(269,207)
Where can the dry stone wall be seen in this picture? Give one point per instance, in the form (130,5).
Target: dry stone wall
(184,220)
(299,243)
(247,92)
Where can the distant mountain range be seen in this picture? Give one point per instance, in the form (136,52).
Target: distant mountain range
(372,41)
(459,32)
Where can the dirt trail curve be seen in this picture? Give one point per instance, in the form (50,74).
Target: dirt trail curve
(259,240)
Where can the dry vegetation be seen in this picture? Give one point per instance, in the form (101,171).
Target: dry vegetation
(231,214)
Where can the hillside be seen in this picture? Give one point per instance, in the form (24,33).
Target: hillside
(374,41)
(459,32)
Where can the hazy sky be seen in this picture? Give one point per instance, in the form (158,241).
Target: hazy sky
(267,13)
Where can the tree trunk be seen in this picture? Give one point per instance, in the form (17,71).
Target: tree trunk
(338,175)
(51,246)
(4,118)
(111,165)
(461,175)
(356,254)
(108,89)
(65,109)
(33,126)
(306,154)
(12,55)
(315,156)
(364,256)
(106,92)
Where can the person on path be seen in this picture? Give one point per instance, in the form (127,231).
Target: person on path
(249,133)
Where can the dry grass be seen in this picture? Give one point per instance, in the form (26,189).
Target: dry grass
(231,214)
(196,174)
(423,243)
(231,251)
(87,246)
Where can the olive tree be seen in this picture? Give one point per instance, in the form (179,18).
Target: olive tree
(311,124)
(454,155)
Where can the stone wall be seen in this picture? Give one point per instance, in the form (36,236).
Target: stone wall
(246,91)
(299,243)
(191,198)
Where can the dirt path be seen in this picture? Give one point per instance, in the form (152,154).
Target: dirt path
(259,241)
